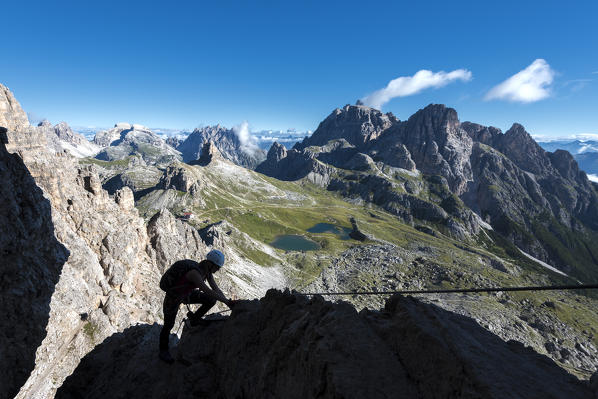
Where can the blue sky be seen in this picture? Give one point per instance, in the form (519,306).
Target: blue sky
(288,65)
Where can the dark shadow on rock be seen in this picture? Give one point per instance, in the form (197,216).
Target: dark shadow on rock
(123,136)
(137,195)
(289,346)
(124,365)
(114,184)
(31,260)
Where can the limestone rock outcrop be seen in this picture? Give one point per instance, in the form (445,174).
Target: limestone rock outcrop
(173,240)
(295,165)
(209,153)
(12,116)
(31,262)
(438,145)
(178,178)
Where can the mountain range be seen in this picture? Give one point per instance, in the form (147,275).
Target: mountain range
(431,202)
(459,178)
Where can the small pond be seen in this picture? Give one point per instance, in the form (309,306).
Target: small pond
(293,242)
(341,232)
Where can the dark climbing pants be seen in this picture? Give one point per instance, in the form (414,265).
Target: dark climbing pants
(171,308)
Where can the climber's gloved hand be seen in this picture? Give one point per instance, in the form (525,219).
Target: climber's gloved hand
(231,303)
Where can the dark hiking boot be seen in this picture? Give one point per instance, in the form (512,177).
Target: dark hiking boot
(194,321)
(166,357)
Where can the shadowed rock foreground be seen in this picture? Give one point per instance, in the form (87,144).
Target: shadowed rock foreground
(31,261)
(289,346)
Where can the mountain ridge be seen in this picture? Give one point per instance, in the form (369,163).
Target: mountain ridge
(469,174)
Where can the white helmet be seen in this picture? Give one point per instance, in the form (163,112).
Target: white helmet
(216,257)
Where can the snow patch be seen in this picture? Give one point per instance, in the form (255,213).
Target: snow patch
(484,224)
(546,265)
(81,151)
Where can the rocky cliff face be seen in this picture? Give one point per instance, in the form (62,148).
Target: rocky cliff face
(226,141)
(534,197)
(289,346)
(438,145)
(109,280)
(209,153)
(32,260)
(585,152)
(294,165)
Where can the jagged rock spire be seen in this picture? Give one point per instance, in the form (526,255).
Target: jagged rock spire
(12,115)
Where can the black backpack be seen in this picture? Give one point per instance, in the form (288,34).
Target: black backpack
(176,271)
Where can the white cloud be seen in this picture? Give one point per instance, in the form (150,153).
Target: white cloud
(247,140)
(409,85)
(526,86)
(593,178)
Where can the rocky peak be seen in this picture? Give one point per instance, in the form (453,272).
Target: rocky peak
(483,134)
(174,142)
(64,131)
(522,149)
(438,145)
(357,124)
(226,141)
(45,123)
(209,153)
(276,152)
(12,115)
(179,178)
(436,121)
(564,162)
(517,130)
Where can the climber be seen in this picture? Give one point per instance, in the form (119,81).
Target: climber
(184,283)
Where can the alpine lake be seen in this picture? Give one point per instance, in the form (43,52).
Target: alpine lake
(295,242)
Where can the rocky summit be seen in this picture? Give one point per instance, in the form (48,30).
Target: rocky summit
(227,142)
(126,139)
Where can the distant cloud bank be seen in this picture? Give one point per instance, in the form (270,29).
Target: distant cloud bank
(526,86)
(593,178)
(408,85)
